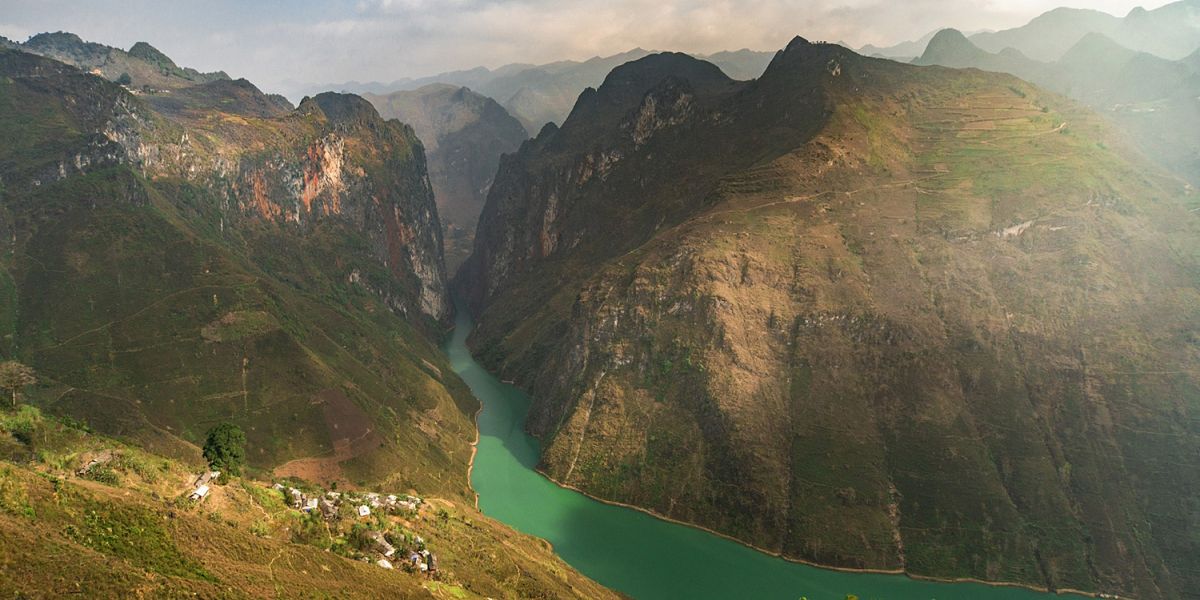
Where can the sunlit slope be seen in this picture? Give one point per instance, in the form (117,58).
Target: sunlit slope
(172,265)
(949,329)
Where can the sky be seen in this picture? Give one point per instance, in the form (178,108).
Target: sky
(278,44)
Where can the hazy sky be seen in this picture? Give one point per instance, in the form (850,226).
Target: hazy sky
(273,41)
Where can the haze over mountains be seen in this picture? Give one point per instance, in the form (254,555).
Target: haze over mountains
(881,305)
(540,94)
(938,317)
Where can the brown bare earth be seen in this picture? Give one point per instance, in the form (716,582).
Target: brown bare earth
(351,433)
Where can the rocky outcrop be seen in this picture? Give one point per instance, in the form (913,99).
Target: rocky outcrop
(308,236)
(858,312)
(464,135)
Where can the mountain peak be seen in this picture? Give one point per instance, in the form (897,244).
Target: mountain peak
(344,109)
(638,75)
(951,48)
(797,42)
(151,55)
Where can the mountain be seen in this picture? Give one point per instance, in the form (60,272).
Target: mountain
(176,260)
(540,94)
(861,313)
(545,94)
(464,135)
(144,64)
(81,514)
(903,50)
(1171,31)
(1152,99)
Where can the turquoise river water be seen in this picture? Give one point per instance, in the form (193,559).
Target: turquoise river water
(635,553)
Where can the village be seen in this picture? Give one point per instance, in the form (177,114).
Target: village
(375,532)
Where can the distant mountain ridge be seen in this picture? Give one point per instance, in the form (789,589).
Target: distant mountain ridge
(464,134)
(145,65)
(540,94)
(1171,31)
(1155,100)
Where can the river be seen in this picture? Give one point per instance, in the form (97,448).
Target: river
(635,553)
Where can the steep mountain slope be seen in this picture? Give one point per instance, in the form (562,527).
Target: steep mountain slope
(1155,101)
(1171,31)
(143,63)
(177,260)
(541,94)
(861,313)
(124,527)
(464,134)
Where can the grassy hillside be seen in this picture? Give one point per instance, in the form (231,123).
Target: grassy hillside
(1151,100)
(862,313)
(214,256)
(125,528)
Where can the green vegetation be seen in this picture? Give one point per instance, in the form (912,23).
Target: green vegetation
(225,449)
(15,377)
(155,306)
(61,533)
(933,319)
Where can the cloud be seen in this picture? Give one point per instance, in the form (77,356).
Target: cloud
(273,41)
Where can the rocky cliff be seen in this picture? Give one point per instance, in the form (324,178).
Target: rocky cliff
(861,313)
(212,254)
(464,135)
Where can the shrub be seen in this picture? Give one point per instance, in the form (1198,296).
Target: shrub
(225,449)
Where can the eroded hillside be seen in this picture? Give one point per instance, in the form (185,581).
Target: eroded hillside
(209,254)
(862,313)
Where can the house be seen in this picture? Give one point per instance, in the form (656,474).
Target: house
(381,544)
(364,510)
(385,563)
(328,510)
(433,563)
(206,477)
(199,493)
(297,497)
(309,505)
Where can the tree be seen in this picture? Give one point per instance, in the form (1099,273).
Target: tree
(14,377)
(225,449)
(124,79)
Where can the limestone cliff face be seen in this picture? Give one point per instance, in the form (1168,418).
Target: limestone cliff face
(333,159)
(861,313)
(464,135)
(214,254)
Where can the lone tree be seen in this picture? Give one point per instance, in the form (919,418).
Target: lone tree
(125,79)
(14,377)
(225,449)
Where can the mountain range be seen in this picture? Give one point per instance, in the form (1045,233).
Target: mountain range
(938,317)
(858,312)
(464,134)
(540,94)
(1155,101)
(185,251)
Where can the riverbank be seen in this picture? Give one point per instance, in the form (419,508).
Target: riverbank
(647,555)
(801,561)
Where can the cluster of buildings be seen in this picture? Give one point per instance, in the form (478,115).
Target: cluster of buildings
(329,503)
(364,504)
